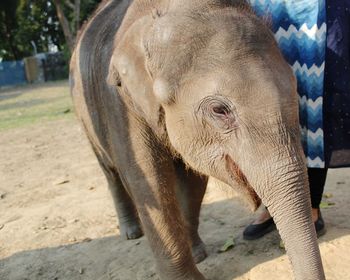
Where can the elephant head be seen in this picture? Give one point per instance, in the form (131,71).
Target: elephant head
(231,110)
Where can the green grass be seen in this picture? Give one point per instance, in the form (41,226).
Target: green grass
(30,105)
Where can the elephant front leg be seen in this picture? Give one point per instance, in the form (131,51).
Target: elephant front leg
(190,190)
(151,177)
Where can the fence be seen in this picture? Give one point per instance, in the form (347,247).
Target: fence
(39,68)
(12,73)
(55,67)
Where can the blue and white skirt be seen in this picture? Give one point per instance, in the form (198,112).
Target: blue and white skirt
(300,28)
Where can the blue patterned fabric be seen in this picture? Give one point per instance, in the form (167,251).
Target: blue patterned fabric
(300,31)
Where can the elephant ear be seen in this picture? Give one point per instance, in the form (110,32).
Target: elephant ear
(130,69)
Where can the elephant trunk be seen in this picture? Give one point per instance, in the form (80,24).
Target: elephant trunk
(288,200)
(293,220)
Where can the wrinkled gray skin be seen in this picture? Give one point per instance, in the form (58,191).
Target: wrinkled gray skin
(169,90)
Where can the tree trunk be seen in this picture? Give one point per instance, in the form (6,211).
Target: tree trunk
(77,16)
(65,25)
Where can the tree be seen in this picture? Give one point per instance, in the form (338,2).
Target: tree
(27,26)
(39,27)
(74,14)
(8,23)
(64,24)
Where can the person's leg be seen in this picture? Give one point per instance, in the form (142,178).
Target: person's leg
(317,180)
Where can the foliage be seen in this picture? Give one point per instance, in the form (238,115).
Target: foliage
(87,7)
(24,23)
(8,23)
(229,244)
(38,23)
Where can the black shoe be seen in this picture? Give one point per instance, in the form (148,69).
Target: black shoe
(319,225)
(257,231)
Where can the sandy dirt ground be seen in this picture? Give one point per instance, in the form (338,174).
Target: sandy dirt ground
(57,219)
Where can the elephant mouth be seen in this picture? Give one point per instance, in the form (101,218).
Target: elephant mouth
(242,184)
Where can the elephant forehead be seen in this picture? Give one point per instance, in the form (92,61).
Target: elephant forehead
(163,33)
(123,64)
(126,65)
(161,90)
(180,29)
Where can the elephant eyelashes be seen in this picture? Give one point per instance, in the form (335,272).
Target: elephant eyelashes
(218,111)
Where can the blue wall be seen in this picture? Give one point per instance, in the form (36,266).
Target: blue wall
(12,73)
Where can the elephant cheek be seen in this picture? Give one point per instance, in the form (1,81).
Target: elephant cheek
(242,184)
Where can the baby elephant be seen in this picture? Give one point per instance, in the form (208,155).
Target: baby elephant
(170,92)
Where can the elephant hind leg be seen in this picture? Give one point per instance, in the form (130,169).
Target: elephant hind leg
(129,222)
(191,188)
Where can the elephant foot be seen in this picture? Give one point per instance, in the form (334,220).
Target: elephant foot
(198,252)
(131,229)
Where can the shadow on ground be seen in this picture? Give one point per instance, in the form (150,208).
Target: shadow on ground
(112,257)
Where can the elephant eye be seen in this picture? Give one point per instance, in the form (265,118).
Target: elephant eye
(220,110)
